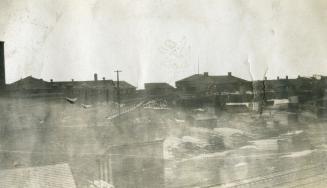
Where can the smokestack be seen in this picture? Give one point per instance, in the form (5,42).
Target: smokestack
(2,65)
(206,74)
(265,77)
(277,77)
(72,80)
(229,73)
(95,77)
(104,78)
(286,77)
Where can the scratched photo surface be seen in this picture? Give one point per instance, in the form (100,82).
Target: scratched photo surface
(163,93)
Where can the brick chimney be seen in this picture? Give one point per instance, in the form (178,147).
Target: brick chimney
(229,73)
(95,77)
(206,74)
(2,65)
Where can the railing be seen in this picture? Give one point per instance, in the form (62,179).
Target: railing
(124,110)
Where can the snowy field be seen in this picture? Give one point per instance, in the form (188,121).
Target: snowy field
(238,147)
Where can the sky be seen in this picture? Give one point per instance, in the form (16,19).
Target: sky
(163,40)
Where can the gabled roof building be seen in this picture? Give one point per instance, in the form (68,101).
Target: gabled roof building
(33,83)
(206,84)
(158,89)
(89,91)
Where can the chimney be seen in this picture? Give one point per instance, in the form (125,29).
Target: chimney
(298,76)
(206,74)
(286,77)
(2,65)
(277,77)
(265,77)
(51,80)
(95,77)
(229,73)
(103,78)
(72,80)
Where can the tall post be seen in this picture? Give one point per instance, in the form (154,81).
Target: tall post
(2,65)
(118,92)
(110,175)
(99,168)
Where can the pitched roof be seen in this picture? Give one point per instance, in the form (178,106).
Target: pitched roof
(158,85)
(125,85)
(34,83)
(85,84)
(54,176)
(30,83)
(95,84)
(213,79)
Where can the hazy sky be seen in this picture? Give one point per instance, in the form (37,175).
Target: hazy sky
(163,40)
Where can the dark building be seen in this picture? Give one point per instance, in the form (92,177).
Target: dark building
(33,83)
(29,83)
(30,86)
(281,87)
(126,88)
(158,89)
(200,84)
(2,65)
(284,88)
(88,91)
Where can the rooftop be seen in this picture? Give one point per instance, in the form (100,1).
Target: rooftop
(223,79)
(54,176)
(158,84)
(35,83)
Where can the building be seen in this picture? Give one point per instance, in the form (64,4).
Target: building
(30,86)
(200,84)
(29,83)
(56,176)
(158,89)
(126,89)
(280,87)
(283,88)
(89,91)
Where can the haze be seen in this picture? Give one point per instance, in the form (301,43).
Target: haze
(163,40)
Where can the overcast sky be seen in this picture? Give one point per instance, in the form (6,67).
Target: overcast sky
(163,40)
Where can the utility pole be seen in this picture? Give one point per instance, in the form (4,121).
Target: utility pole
(118,92)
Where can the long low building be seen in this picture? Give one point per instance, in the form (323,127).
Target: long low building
(200,84)
(96,90)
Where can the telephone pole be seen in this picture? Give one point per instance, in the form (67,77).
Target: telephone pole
(118,92)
